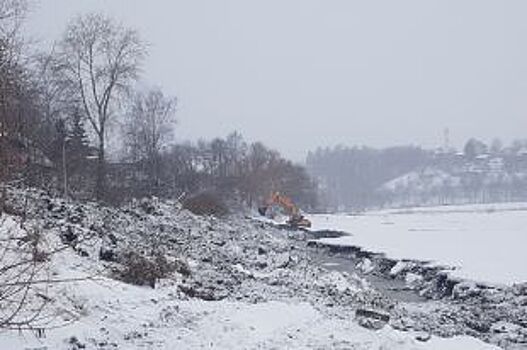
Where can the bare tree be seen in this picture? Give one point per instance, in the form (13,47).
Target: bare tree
(149,125)
(100,59)
(25,271)
(237,151)
(12,9)
(22,264)
(12,13)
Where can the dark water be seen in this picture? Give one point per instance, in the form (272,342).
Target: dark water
(394,289)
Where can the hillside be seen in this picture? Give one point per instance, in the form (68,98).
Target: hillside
(353,179)
(455,180)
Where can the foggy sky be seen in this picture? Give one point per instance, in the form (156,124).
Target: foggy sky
(298,74)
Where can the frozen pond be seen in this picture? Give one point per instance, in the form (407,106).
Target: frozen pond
(485,243)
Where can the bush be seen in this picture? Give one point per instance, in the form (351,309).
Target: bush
(206,204)
(141,271)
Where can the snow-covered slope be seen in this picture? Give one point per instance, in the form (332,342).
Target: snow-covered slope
(119,316)
(104,313)
(423,181)
(485,180)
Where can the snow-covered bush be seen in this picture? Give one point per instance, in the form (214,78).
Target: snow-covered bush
(141,270)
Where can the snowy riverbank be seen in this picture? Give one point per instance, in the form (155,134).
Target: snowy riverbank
(247,285)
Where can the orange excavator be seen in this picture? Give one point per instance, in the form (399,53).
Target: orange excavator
(296,219)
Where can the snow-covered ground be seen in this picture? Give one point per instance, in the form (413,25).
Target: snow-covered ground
(485,243)
(103,313)
(114,315)
(258,299)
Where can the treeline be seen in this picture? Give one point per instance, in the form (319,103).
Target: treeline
(358,178)
(66,113)
(349,176)
(229,167)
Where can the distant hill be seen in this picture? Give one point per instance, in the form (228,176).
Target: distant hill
(358,178)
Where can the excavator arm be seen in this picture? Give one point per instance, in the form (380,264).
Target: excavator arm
(296,219)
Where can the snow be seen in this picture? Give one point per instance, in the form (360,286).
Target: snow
(289,309)
(484,243)
(151,318)
(366,266)
(456,343)
(424,180)
(111,314)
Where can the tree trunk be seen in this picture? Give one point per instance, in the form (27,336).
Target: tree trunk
(64,168)
(100,186)
(4,171)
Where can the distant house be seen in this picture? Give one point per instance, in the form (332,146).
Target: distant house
(496,165)
(522,152)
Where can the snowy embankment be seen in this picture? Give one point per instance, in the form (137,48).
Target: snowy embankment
(248,285)
(113,315)
(484,243)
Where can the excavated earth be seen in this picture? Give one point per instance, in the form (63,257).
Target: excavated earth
(240,258)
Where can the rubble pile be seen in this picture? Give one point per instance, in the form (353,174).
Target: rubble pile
(159,244)
(234,258)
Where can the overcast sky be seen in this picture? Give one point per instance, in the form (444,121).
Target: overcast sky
(298,74)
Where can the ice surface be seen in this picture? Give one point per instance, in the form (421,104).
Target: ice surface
(485,243)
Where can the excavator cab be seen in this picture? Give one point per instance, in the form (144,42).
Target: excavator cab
(296,219)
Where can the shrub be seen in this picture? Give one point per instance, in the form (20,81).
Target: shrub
(206,204)
(140,270)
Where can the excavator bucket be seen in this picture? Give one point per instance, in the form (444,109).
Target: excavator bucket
(262,211)
(299,222)
(304,223)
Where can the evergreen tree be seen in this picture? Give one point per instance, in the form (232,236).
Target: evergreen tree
(78,145)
